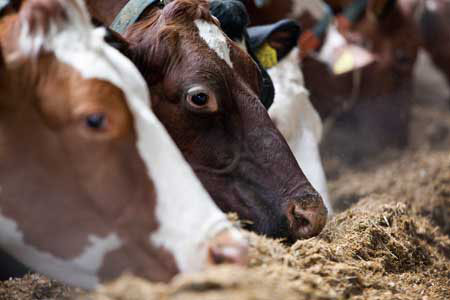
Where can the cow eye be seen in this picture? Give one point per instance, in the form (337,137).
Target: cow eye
(200,99)
(96,121)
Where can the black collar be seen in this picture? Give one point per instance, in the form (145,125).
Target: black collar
(131,13)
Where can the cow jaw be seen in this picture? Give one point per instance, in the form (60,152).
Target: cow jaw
(81,271)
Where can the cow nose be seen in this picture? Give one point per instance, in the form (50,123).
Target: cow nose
(228,247)
(307,216)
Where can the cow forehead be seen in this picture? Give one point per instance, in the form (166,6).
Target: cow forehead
(215,39)
(97,60)
(76,43)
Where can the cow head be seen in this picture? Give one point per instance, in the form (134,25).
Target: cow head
(91,185)
(291,112)
(266,44)
(206,90)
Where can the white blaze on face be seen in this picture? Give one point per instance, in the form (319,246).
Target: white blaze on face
(186,214)
(215,39)
(242,44)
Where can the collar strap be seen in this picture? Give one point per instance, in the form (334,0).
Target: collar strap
(355,9)
(323,24)
(131,13)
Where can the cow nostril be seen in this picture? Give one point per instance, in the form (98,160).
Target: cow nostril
(223,255)
(306,217)
(301,220)
(216,256)
(226,248)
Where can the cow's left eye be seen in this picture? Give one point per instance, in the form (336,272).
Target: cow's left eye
(96,121)
(201,100)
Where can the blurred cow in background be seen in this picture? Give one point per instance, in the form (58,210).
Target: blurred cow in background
(373,102)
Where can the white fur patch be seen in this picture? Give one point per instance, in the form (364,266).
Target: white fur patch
(431,5)
(242,44)
(316,8)
(215,39)
(80,271)
(333,41)
(187,215)
(298,121)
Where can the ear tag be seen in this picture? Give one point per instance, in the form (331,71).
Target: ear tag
(267,56)
(351,57)
(345,63)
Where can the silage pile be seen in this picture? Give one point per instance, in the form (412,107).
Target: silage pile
(421,179)
(391,240)
(389,245)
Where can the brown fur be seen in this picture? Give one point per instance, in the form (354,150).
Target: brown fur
(270,13)
(105,10)
(238,154)
(63,181)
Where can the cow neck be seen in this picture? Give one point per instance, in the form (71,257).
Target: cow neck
(130,14)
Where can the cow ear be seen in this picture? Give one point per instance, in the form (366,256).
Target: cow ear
(232,16)
(15,4)
(112,38)
(281,37)
(117,41)
(382,8)
(41,22)
(284,40)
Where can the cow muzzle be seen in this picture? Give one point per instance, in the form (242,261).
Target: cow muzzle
(306,216)
(228,247)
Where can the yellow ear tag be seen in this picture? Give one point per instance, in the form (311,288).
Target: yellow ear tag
(267,56)
(351,57)
(344,63)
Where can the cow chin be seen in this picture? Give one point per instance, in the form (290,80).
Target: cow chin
(249,190)
(293,216)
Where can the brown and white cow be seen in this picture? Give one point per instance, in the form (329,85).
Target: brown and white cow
(432,19)
(372,102)
(206,90)
(91,185)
